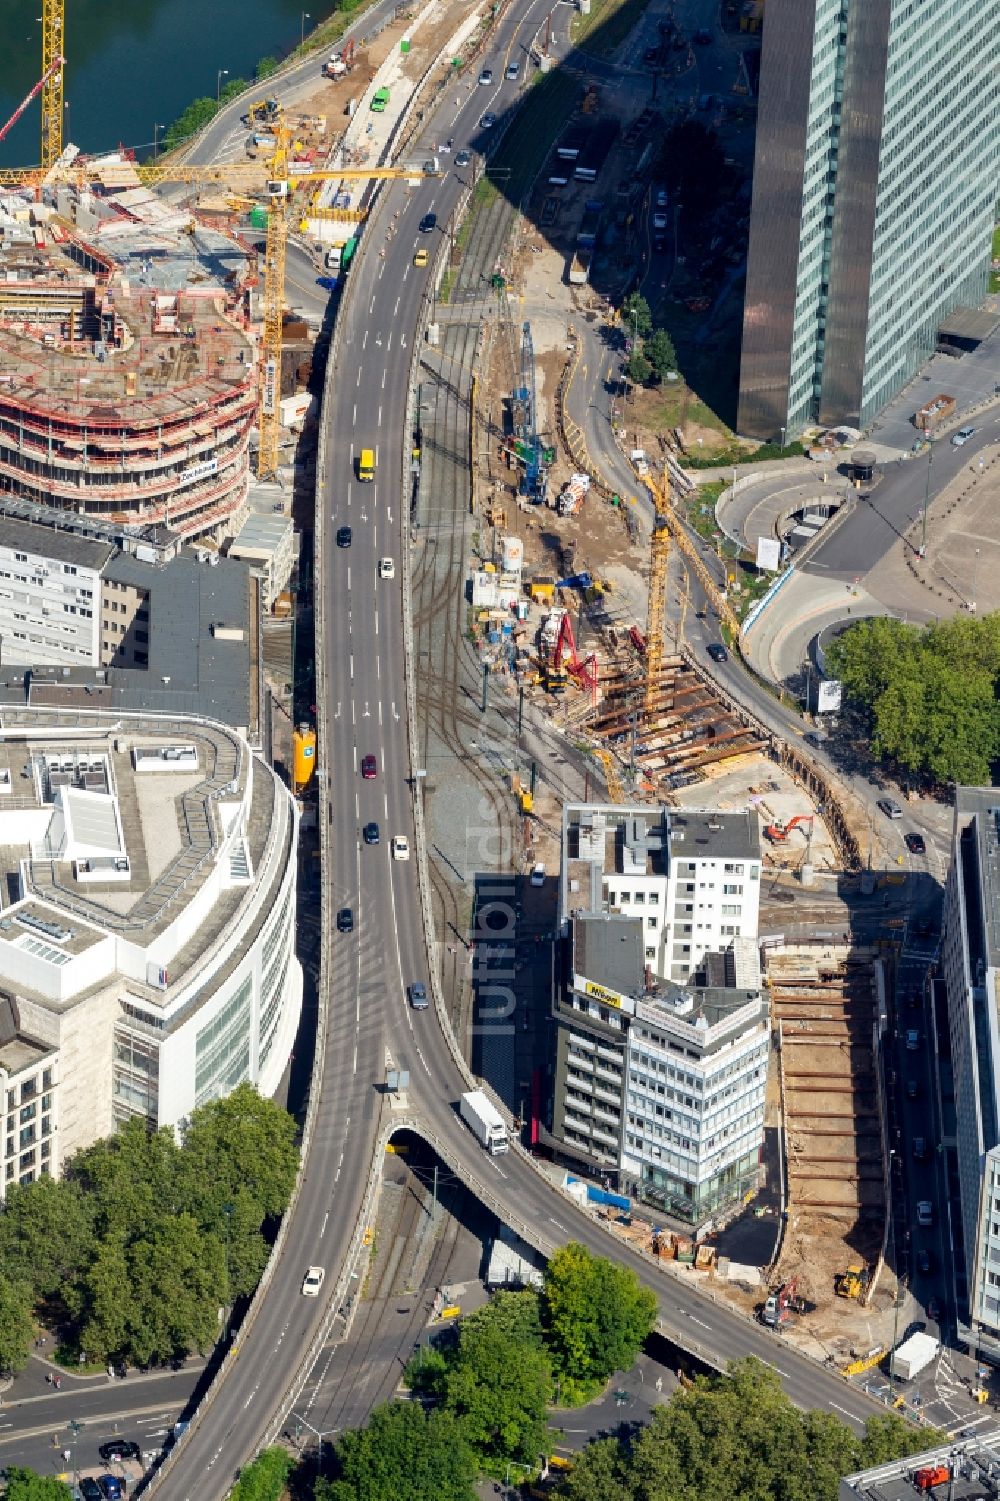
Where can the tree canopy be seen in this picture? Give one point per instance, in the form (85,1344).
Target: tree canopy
(595,1314)
(738,1435)
(265,1478)
(930,693)
(132,1253)
(404,1454)
(27,1485)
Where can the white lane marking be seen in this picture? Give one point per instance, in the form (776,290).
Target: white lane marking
(376,622)
(354,712)
(352,667)
(380,721)
(700,1322)
(429,1074)
(357,804)
(380,416)
(557,1224)
(348,575)
(354,416)
(384,374)
(378,668)
(396,308)
(844,1410)
(364,341)
(371,308)
(389,345)
(322,1228)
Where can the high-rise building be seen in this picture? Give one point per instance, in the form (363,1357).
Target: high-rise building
(970,968)
(875,183)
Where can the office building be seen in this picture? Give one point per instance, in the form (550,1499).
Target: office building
(963,1469)
(662,1036)
(147,960)
(875,183)
(970,959)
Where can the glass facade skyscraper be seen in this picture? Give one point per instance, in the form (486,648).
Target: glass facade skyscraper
(875,187)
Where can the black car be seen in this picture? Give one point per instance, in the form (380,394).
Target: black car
(118,1449)
(371,833)
(89,1489)
(345,924)
(462,159)
(343,536)
(925,1262)
(912,1088)
(915,844)
(427,223)
(718,652)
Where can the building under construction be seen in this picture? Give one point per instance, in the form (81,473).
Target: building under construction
(127,375)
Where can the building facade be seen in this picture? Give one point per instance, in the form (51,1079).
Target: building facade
(970,959)
(662,1033)
(877,153)
(147,960)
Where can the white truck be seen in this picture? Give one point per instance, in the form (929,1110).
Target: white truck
(910,1358)
(484,1121)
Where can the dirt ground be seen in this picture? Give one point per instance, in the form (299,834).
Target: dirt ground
(759,782)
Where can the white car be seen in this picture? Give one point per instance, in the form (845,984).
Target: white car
(386,568)
(659,220)
(538,875)
(313,1281)
(962,436)
(400,847)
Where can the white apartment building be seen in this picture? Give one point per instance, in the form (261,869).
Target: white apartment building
(970,960)
(50,594)
(147,959)
(662,1040)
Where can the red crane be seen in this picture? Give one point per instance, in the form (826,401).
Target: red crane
(53,67)
(585,672)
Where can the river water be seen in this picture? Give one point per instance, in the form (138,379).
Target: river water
(135,62)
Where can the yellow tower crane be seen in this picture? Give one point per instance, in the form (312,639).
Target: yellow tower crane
(616,791)
(667,518)
(53,65)
(659,555)
(278,189)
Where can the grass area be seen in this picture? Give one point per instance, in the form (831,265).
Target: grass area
(483,194)
(524,148)
(674,403)
(607,26)
(995,275)
(699,511)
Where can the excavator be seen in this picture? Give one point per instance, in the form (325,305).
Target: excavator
(852,1282)
(779,832)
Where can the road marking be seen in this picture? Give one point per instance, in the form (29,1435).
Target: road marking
(380,721)
(368,713)
(396,308)
(380,416)
(700,1322)
(371,307)
(378,668)
(838,1407)
(364,344)
(352,667)
(376,622)
(322,1228)
(354,712)
(389,345)
(359,375)
(354,415)
(348,576)
(557,1224)
(384,373)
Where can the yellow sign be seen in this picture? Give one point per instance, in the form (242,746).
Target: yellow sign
(866,1364)
(599,993)
(400,1151)
(452,1311)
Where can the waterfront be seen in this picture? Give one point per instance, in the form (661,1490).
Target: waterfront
(133,63)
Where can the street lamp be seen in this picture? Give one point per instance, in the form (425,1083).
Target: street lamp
(927,496)
(302,36)
(220,75)
(321,1434)
(156,138)
(783,435)
(66,115)
(227,1210)
(975,576)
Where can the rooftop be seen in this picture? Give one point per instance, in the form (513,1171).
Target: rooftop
(982,883)
(971,1466)
(61,546)
(642,841)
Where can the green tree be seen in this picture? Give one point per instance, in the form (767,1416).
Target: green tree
(499,1379)
(265,68)
(635,316)
(595,1314)
(16,1324)
(660,352)
(601,1473)
(738,1435)
(46,1235)
(265,1479)
(177,1282)
(638,368)
(404,1454)
(27,1485)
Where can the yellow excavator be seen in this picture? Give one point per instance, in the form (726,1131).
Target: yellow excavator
(852,1282)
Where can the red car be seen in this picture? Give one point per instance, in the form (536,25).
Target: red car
(369,768)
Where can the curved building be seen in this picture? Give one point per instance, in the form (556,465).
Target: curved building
(130,403)
(147,959)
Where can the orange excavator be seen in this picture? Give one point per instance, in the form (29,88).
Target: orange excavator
(779,832)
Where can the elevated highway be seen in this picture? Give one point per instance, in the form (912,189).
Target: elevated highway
(367,1024)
